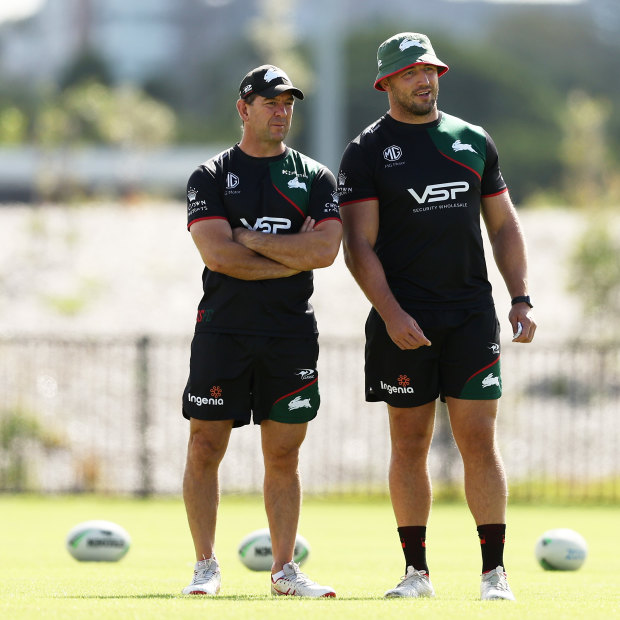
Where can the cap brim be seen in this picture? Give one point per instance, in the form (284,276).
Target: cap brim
(278,89)
(426,59)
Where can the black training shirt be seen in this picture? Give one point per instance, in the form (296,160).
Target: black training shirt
(273,195)
(429,180)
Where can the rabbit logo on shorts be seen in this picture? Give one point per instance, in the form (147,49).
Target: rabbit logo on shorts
(298,402)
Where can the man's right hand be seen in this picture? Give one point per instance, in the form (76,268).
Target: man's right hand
(405,332)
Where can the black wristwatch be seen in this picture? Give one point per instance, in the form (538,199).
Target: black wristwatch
(525,299)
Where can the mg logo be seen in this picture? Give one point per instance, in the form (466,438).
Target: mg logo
(440,191)
(232,180)
(268,224)
(392,153)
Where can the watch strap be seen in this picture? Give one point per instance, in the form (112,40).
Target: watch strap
(525,299)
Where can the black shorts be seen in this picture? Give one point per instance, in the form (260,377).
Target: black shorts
(463,361)
(240,377)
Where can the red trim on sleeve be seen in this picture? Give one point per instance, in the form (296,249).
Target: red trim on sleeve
(496,193)
(200,219)
(352,202)
(326,219)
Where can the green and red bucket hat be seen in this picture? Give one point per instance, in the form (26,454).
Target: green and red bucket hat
(404,50)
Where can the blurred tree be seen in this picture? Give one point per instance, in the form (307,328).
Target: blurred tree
(274,38)
(512,77)
(87,66)
(558,48)
(592,184)
(209,113)
(91,113)
(363,103)
(595,275)
(22,436)
(584,151)
(13,125)
(562,52)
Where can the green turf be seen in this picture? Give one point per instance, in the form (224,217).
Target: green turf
(354,549)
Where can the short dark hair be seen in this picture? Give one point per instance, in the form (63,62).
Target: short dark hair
(250,98)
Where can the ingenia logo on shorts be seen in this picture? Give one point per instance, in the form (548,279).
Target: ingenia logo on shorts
(403,387)
(214,399)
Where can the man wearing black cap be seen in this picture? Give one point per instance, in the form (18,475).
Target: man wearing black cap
(412,188)
(262,216)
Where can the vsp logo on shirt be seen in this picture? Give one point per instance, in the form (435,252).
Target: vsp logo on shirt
(440,191)
(268,224)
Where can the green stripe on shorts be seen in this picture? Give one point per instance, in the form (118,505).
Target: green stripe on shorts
(486,384)
(298,407)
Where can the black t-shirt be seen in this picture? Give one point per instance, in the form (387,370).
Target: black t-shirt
(429,180)
(274,195)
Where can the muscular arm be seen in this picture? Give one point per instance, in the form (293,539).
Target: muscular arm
(220,253)
(510,255)
(361,226)
(312,247)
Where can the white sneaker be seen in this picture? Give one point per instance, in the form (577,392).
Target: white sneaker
(494,586)
(414,584)
(295,583)
(207,578)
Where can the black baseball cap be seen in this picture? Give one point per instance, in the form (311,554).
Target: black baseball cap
(267,81)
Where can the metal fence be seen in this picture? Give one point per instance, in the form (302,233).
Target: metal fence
(103,415)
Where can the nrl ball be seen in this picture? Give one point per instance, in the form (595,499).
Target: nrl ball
(98,541)
(561,549)
(255,550)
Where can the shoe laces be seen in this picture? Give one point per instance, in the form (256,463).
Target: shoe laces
(412,573)
(205,569)
(299,577)
(497,579)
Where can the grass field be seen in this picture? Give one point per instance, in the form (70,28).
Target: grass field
(354,549)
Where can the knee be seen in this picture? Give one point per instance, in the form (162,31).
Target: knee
(205,449)
(281,457)
(413,445)
(476,438)
(478,448)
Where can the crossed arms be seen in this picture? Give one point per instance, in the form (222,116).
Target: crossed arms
(253,255)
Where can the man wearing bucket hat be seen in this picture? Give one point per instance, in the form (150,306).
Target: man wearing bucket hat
(262,216)
(413,186)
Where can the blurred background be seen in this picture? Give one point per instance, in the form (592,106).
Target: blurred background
(107,106)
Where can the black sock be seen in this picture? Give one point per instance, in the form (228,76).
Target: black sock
(413,540)
(492,538)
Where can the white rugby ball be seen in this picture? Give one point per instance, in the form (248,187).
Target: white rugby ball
(255,550)
(98,541)
(561,549)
